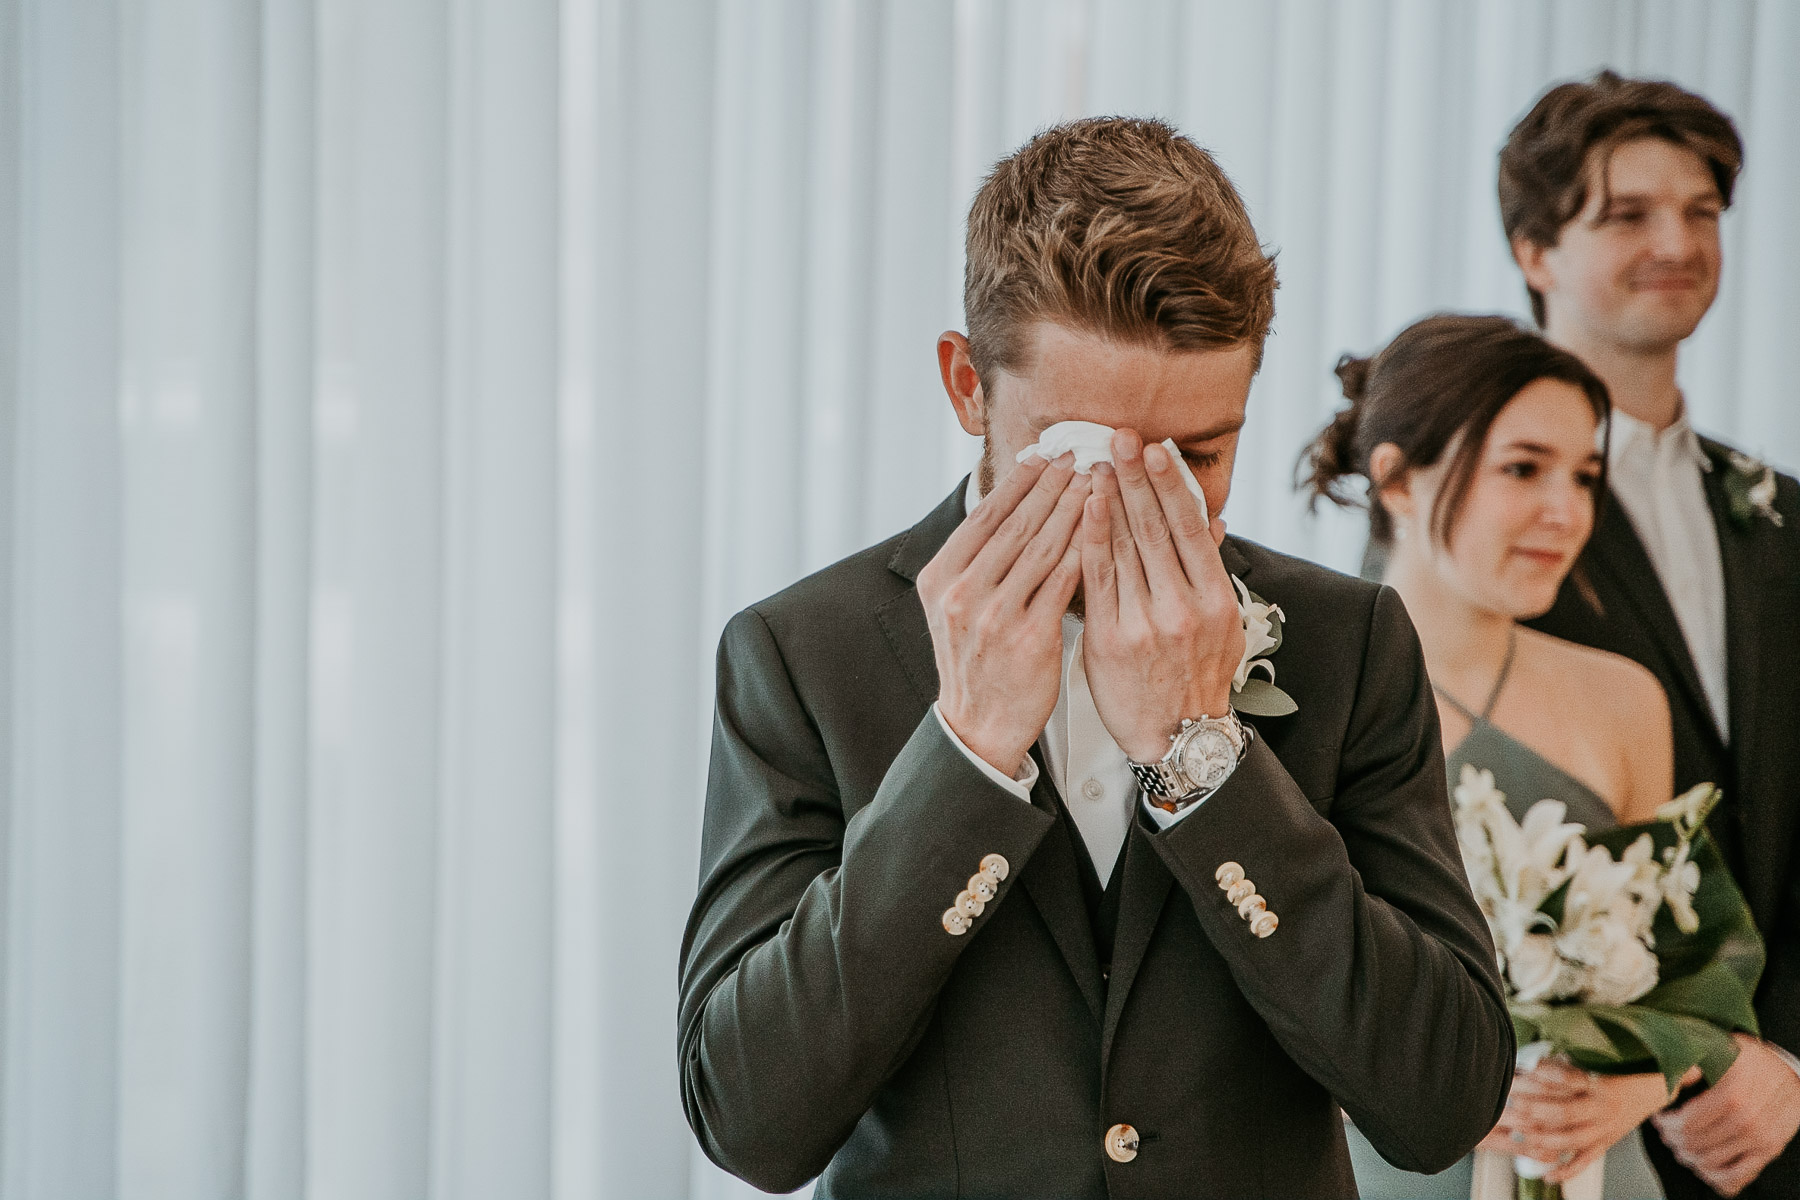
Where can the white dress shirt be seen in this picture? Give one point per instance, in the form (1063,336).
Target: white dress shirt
(1086,765)
(1657,478)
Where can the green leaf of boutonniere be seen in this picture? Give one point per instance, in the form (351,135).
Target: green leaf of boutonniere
(1260,698)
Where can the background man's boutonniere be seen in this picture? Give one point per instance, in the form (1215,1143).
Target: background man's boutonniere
(1262,637)
(1750,490)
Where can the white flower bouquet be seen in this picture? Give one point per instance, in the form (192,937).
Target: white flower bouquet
(1625,951)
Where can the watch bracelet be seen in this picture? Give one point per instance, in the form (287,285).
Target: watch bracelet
(1154,778)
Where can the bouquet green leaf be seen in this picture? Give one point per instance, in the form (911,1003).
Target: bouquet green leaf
(1628,950)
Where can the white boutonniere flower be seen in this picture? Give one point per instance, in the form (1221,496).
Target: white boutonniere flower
(1262,637)
(1750,490)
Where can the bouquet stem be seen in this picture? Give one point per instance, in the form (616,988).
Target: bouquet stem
(1539,1189)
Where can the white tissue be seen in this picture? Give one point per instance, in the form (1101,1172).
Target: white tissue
(1091,443)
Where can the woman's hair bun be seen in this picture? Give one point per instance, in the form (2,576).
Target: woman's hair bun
(1332,457)
(1353,374)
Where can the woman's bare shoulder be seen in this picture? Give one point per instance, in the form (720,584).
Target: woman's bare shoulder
(1610,689)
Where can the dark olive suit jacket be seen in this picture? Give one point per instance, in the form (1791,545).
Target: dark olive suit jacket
(1622,607)
(829,1023)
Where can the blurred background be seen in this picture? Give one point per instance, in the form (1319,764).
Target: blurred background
(397,396)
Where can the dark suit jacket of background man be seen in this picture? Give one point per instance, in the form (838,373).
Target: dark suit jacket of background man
(1759,769)
(829,1024)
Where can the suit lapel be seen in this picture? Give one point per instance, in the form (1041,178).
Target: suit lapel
(1616,550)
(1145,889)
(903,618)
(1768,825)
(1738,558)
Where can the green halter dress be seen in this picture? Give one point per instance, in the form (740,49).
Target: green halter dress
(1521,772)
(1526,777)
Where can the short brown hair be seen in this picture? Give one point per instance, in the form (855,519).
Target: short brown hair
(1549,160)
(1115,225)
(1437,388)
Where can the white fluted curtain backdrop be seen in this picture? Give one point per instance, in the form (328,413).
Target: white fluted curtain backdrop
(396,396)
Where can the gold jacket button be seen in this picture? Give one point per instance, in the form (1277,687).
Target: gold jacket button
(1121,1143)
(995,867)
(1264,923)
(1228,874)
(955,924)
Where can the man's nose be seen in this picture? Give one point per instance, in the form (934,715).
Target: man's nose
(1672,238)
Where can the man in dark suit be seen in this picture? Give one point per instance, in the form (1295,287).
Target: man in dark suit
(999,900)
(1611,193)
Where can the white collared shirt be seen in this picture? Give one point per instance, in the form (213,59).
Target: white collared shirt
(1657,478)
(1086,765)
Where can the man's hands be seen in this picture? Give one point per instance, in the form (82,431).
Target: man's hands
(1557,1111)
(1727,1134)
(1163,636)
(994,599)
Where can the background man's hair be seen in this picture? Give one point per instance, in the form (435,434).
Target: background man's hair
(1118,226)
(1561,148)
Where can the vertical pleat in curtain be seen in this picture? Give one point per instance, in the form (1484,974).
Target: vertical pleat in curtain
(397,396)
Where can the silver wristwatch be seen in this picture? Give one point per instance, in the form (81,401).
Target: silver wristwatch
(1202,754)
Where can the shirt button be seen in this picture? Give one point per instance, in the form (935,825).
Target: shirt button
(1121,1143)
(1093,789)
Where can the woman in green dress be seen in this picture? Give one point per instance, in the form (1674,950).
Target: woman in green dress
(1478,448)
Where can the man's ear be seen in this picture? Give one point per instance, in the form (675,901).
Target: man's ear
(1534,264)
(1386,463)
(961,382)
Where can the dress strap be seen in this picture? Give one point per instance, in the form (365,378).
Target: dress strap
(1506,665)
(1487,710)
(1453,702)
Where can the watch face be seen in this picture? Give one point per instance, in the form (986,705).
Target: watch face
(1208,758)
